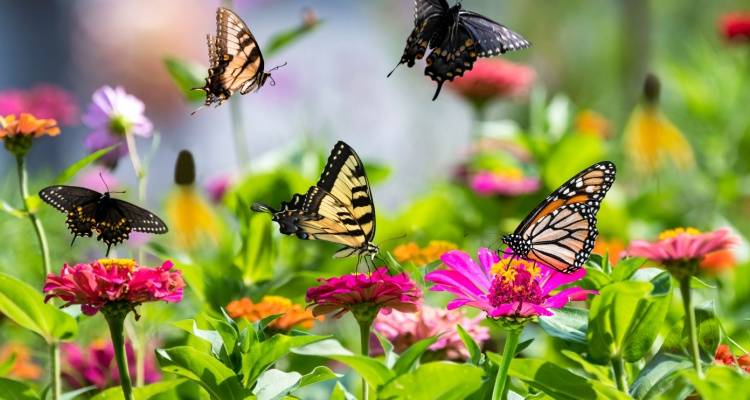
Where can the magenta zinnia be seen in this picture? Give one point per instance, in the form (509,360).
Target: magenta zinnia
(507,288)
(95,365)
(364,294)
(114,282)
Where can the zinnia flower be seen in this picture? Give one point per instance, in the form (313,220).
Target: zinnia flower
(23,367)
(111,114)
(18,133)
(682,249)
(736,27)
(724,356)
(510,182)
(405,329)
(651,140)
(364,295)
(718,261)
(95,365)
(614,248)
(43,101)
(293,314)
(590,122)
(492,78)
(510,288)
(411,252)
(114,282)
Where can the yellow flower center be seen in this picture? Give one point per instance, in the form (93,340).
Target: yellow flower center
(671,233)
(124,263)
(509,269)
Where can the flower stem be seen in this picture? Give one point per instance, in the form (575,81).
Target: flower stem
(116,322)
(618,368)
(364,340)
(509,351)
(238,132)
(35,222)
(690,324)
(54,357)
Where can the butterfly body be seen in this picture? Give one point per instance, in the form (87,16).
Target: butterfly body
(338,209)
(561,231)
(236,63)
(456,37)
(89,211)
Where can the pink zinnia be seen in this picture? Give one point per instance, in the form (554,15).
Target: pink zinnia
(218,185)
(114,282)
(364,294)
(43,101)
(95,365)
(488,183)
(507,288)
(494,78)
(405,329)
(736,27)
(682,245)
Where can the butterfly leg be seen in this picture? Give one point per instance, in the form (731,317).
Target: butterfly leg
(73,241)
(109,246)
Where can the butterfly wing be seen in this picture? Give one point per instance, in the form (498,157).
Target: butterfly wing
(429,17)
(78,203)
(491,37)
(455,55)
(561,230)
(139,219)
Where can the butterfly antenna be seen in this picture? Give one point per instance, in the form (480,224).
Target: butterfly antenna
(393,70)
(73,241)
(198,109)
(260,207)
(273,81)
(109,246)
(103,181)
(277,67)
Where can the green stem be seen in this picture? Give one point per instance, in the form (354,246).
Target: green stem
(690,324)
(23,183)
(364,341)
(116,322)
(238,132)
(618,367)
(509,352)
(54,357)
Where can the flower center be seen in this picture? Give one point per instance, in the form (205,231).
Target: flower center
(117,263)
(671,233)
(119,124)
(515,281)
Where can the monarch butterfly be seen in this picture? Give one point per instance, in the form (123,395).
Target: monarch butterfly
(561,230)
(89,210)
(337,209)
(236,63)
(457,38)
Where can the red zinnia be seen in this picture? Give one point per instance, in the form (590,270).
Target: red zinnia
(735,26)
(494,78)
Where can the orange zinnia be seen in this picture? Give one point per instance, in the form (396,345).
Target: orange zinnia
(27,125)
(23,366)
(411,252)
(293,314)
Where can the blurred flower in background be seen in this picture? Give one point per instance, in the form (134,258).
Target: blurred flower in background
(411,252)
(590,122)
(18,133)
(613,247)
(99,179)
(497,167)
(95,365)
(16,362)
(365,295)
(294,315)
(724,356)
(509,182)
(114,282)
(718,261)
(405,329)
(651,140)
(217,186)
(111,114)
(42,101)
(492,79)
(735,26)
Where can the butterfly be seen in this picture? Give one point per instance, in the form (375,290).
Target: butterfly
(561,231)
(457,38)
(90,211)
(236,63)
(337,209)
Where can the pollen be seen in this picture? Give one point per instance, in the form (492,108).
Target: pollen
(671,233)
(118,263)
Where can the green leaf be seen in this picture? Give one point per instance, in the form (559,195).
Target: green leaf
(264,354)
(389,356)
(411,356)
(15,390)
(74,394)
(10,210)
(339,392)
(216,378)
(626,268)
(141,393)
(256,256)
(275,384)
(647,319)
(559,383)
(611,316)
(372,370)
(187,76)
(70,172)
(288,37)
(709,330)
(661,374)
(475,352)
(436,380)
(569,324)
(601,373)
(377,172)
(572,154)
(720,383)
(26,307)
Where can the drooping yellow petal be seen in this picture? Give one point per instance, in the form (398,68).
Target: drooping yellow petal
(652,142)
(192,221)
